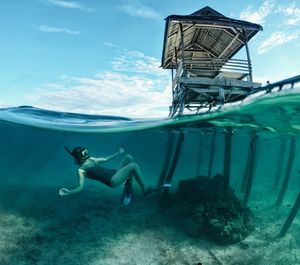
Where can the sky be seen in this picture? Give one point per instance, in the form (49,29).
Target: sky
(103,57)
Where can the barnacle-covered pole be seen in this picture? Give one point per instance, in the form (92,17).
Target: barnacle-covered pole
(281,153)
(199,162)
(287,172)
(251,168)
(212,153)
(227,158)
(167,159)
(291,217)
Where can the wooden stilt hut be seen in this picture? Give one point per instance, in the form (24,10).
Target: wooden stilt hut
(199,49)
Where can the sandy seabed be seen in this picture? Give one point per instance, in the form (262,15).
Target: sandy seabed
(39,227)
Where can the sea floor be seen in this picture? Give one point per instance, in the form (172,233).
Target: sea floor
(39,227)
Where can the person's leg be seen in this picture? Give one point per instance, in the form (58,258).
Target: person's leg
(124,161)
(131,169)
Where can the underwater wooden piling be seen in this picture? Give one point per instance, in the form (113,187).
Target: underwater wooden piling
(167,159)
(212,153)
(291,217)
(281,153)
(199,162)
(249,175)
(287,172)
(164,199)
(175,158)
(227,158)
(246,170)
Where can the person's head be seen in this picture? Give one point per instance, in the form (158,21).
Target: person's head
(80,154)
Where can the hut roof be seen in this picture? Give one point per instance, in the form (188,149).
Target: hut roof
(208,33)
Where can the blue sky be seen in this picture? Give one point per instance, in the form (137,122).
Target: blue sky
(96,56)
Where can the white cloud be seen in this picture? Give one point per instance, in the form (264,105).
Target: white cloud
(258,15)
(45,28)
(68,5)
(135,91)
(292,12)
(137,62)
(276,39)
(136,9)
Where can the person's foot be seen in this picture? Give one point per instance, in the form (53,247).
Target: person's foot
(127,194)
(153,189)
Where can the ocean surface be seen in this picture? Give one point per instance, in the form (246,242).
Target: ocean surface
(38,226)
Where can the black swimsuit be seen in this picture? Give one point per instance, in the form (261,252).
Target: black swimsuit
(95,171)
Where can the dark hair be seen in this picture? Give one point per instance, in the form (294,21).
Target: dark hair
(78,155)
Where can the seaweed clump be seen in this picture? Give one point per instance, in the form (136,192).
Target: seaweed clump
(207,206)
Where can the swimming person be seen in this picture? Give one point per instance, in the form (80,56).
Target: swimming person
(91,167)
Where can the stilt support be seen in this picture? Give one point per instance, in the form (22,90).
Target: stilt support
(279,164)
(167,160)
(249,175)
(212,153)
(287,172)
(227,159)
(291,217)
(199,162)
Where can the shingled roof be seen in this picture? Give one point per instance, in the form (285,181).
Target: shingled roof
(208,31)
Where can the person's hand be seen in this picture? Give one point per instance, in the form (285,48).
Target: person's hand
(64,192)
(121,150)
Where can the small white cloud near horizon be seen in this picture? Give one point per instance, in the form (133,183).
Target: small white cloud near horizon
(136,87)
(67,4)
(258,15)
(137,62)
(108,93)
(48,29)
(276,39)
(292,12)
(135,9)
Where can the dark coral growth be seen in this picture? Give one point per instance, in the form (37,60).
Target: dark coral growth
(206,207)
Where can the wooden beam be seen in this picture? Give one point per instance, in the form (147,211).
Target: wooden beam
(229,45)
(212,153)
(287,173)
(279,164)
(291,217)
(227,158)
(217,82)
(167,158)
(248,56)
(216,90)
(199,162)
(250,169)
(215,23)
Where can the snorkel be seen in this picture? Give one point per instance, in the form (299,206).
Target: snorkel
(80,154)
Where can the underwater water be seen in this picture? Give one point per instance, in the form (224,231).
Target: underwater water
(254,145)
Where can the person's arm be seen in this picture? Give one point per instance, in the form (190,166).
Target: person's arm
(81,175)
(108,158)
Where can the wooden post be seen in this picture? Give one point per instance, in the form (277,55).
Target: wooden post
(181,99)
(175,158)
(199,162)
(248,56)
(182,47)
(279,164)
(176,59)
(164,198)
(167,160)
(212,153)
(291,217)
(227,158)
(246,170)
(287,172)
(251,169)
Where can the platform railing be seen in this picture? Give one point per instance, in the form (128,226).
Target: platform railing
(286,83)
(211,67)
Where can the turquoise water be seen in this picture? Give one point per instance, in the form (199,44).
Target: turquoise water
(93,227)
